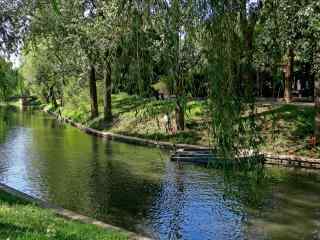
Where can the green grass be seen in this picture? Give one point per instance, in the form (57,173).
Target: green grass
(130,118)
(284,128)
(20,220)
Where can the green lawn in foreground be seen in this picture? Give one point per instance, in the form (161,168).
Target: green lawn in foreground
(23,221)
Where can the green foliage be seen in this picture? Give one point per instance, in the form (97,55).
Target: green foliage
(209,48)
(10,81)
(285,24)
(41,72)
(56,5)
(231,95)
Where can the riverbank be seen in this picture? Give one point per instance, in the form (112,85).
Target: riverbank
(285,128)
(269,157)
(22,219)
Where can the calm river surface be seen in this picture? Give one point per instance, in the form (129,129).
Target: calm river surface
(139,189)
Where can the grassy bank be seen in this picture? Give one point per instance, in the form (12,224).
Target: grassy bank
(285,129)
(20,220)
(135,116)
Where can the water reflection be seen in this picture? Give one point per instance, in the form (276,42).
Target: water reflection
(137,188)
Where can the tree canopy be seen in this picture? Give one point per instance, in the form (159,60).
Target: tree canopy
(216,50)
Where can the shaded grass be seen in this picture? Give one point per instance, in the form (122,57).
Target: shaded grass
(286,129)
(20,220)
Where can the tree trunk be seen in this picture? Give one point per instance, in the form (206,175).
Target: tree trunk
(317,106)
(179,104)
(93,92)
(53,97)
(180,117)
(258,83)
(179,85)
(289,75)
(273,79)
(108,92)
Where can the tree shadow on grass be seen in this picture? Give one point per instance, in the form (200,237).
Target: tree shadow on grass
(11,231)
(299,121)
(127,104)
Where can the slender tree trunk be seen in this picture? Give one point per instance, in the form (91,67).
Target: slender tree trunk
(273,74)
(61,100)
(273,89)
(180,121)
(53,98)
(258,82)
(108,92)
(93,92)
(180,110)
(289,75)
(47,98)
(317,118)
(317,106)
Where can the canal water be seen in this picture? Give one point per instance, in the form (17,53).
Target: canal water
(137,188)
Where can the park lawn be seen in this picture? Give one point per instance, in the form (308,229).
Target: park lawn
(139,117)
(20,220)
(285,129)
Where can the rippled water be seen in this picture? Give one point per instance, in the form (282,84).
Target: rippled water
(139,189)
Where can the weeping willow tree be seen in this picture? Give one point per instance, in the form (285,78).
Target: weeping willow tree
(136,48)
(128,53)
(234,128)
(228,41)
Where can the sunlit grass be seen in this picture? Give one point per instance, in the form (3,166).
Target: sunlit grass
(23,221)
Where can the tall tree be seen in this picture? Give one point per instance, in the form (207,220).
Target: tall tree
(108,91)
(288,74)
(179,50)
(284,17)
(93,91)
(312,14)
(317,102)
(76,20)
